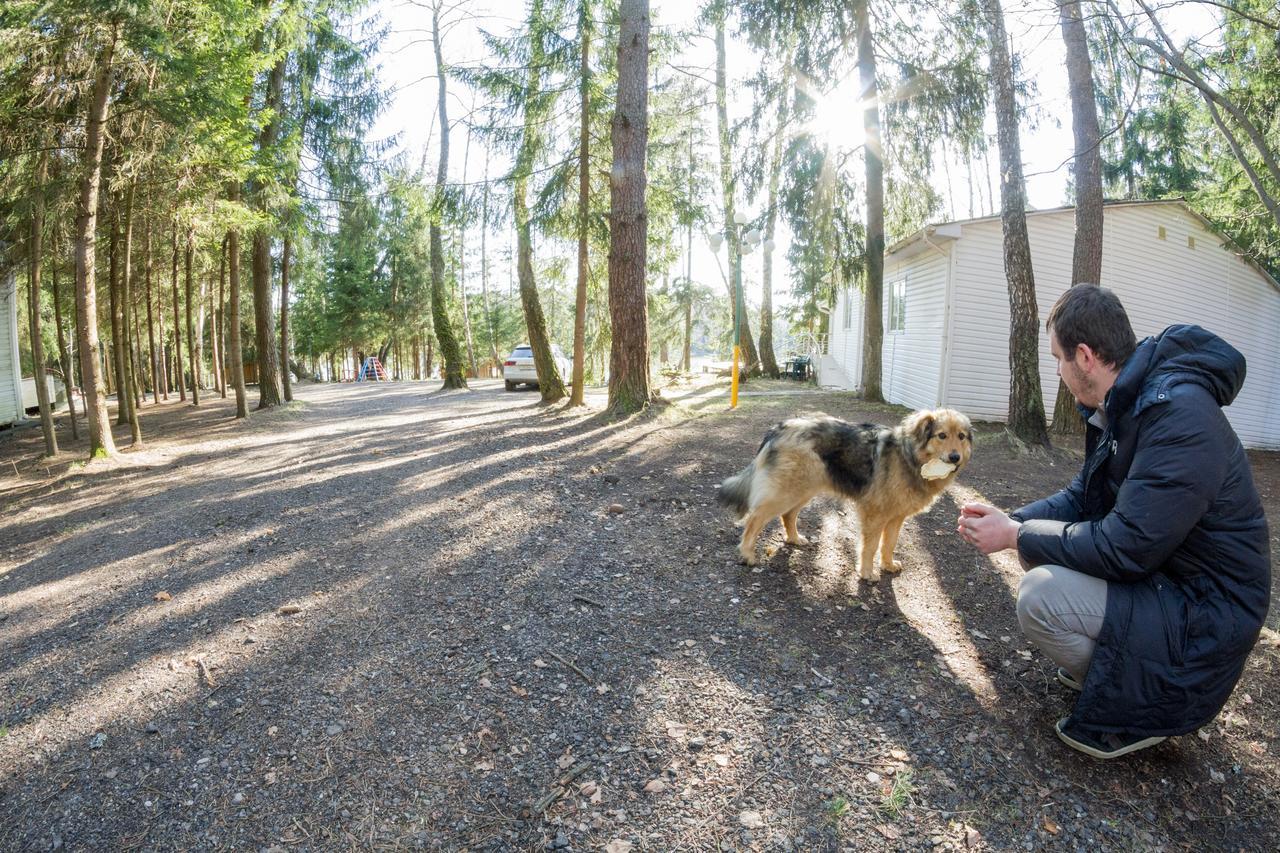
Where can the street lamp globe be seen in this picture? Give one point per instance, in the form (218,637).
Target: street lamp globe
(716,240)
(740,218)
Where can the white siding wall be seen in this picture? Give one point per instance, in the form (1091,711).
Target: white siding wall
(845,345)
(1160,282)
(911,358)
(9,384)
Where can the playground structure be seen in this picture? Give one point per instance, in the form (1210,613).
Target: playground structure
(373,371)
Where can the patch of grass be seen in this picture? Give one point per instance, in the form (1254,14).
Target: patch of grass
(899,795)
(4,732)
(836,809)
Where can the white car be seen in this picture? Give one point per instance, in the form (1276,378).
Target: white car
(518,369)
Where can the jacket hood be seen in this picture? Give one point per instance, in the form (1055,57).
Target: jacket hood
(1179,354)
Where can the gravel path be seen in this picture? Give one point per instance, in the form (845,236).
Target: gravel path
(387,617)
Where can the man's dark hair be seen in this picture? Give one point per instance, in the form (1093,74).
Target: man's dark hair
(1092,315)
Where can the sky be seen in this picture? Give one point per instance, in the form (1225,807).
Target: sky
(407,68)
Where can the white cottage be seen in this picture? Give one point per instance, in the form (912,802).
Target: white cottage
(10,365)
(946,307)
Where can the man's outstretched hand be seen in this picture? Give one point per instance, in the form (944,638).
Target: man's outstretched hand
(987,528)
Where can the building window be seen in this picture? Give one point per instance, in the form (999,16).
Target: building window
(846,317)
(898,305)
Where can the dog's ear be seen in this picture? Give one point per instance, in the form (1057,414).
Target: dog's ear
(922,426)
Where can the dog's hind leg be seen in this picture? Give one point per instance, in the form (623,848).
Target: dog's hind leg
(755,522)
(789,524)
(888,544)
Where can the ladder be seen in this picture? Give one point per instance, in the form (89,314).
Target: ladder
(372,370)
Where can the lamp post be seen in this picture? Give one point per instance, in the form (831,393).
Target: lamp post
(747,242)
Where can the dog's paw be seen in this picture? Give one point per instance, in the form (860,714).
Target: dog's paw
(747,559)
(801,540)
(893,567)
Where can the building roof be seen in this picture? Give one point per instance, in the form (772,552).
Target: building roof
(951,230)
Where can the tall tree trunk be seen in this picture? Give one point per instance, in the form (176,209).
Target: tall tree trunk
(1026,406)
(117,318)
(269,392)
(873,154)
(220,320)
(148,267)
(126,395)
(685,356)
(767,358)
(64,356)
(235,352)
(36,250)
(728,185)
(177,320)
(550,384)
(1086,261)
(286,379)
(484,264)
(628,220)
(191,333)
(584,198)
(100,441)
(462,269)
(453,377)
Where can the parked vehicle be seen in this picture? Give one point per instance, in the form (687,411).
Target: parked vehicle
(518,369)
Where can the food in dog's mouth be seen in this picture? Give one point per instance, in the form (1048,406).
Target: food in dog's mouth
(936,469)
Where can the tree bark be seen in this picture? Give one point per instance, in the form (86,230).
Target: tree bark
(1026,406)
(484,265)
(728,186)
(269,392)
(177,321)
(148,267)
(1086,261)
(101,443)
(191,333)
(126,395)
(36,250)
(286,379)
(767,358)
(216,347)
(577,381)
(117,320)
(64,356)
(550,384)
(235,352)
(873,293)
(628,220)
(449,352)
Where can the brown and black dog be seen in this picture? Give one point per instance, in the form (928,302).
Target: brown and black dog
(876,467)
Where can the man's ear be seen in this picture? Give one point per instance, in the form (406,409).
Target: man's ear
(1086,359)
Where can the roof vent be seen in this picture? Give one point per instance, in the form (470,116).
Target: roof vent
(1160,231)
(1191,242)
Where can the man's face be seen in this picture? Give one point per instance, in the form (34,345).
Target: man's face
(1078,382)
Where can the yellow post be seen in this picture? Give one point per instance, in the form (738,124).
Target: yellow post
(733,385)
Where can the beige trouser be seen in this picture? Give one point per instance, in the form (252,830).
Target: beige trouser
(1061,611)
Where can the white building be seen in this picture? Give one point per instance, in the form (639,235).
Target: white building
(946,308)
(10,365)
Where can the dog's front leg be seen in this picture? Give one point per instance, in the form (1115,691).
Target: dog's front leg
(867,552)
(888,544)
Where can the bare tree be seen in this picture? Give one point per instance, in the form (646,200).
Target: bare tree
(101,442)
(1086,260)
(449,351)
(1026,406)
(628,223)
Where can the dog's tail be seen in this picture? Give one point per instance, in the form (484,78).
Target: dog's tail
(735,492)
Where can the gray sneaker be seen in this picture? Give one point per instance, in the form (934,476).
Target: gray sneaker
(1067,680)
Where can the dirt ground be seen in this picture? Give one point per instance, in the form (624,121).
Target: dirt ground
(387,617)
